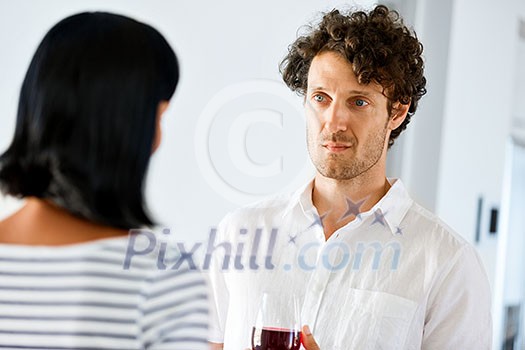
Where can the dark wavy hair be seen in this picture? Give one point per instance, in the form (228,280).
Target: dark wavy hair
(378,44)
(87,118)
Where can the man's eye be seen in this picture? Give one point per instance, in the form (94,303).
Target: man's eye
(360,103)
(318,98)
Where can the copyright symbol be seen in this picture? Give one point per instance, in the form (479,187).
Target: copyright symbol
(250,141)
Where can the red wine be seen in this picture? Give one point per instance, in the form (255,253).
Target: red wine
(275,339)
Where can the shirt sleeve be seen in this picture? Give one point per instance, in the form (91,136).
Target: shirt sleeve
(174,311)
(458,313)
(220,296)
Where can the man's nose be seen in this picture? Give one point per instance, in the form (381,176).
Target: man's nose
(336,117)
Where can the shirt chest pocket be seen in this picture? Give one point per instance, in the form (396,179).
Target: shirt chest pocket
(374,321)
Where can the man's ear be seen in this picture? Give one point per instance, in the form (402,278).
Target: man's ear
(398,114)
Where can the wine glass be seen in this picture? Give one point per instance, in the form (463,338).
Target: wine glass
(277,326)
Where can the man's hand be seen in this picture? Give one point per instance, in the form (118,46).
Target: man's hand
(308,339)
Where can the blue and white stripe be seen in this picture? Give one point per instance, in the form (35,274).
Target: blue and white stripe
(81,297)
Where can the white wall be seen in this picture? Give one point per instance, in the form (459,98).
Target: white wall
(478,109)
(477,119)
(454,151)
(421,144)
(233,132)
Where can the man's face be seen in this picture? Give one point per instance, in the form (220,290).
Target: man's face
(347,123)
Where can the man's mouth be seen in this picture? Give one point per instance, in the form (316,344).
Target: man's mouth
(336,147)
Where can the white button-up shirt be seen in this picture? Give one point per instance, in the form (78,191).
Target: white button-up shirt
(396,277)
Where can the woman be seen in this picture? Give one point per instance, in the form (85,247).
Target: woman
(88,121)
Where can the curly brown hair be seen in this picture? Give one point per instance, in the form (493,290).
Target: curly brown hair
(378,44)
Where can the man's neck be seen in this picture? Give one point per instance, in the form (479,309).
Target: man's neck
(338,202)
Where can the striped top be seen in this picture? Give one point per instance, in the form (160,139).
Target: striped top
(81,297)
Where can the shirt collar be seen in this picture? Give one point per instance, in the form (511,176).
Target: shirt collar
(392,207)
(303,198)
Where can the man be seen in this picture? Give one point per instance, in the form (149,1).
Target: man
(372,269)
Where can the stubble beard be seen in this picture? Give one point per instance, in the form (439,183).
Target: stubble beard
(347,166)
